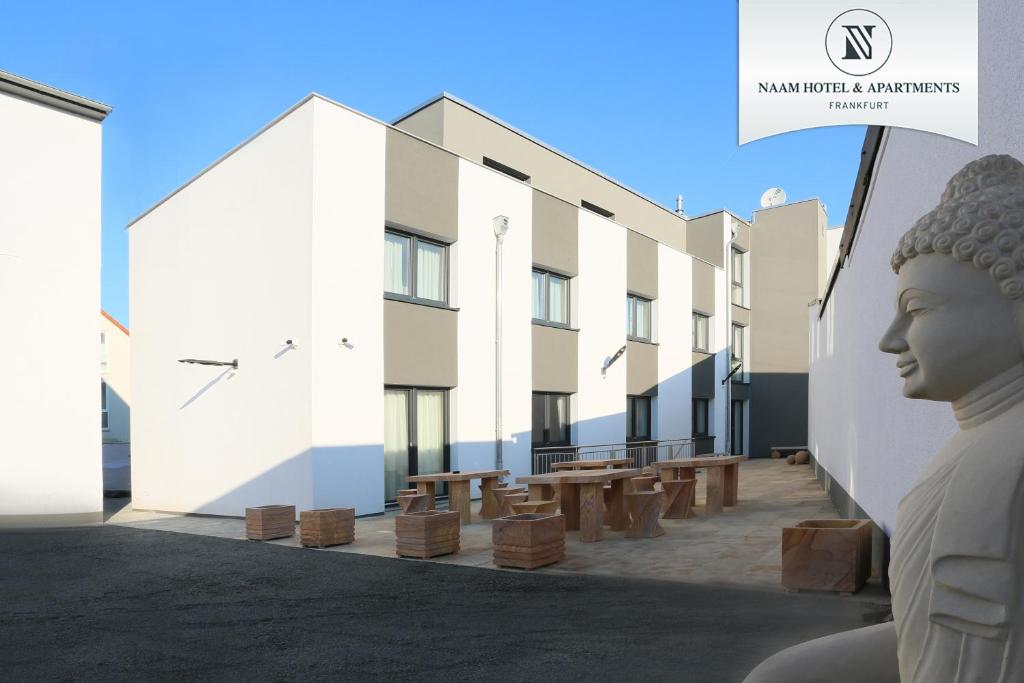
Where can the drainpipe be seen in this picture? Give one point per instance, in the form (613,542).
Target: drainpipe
(728,331)
(500,225)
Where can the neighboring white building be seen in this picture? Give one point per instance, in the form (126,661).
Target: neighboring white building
(869,441)
(115,402)
(50,151)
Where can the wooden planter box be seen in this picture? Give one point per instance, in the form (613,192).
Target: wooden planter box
(269,521)
(427,534)
(827,554)
(327,527)
(528,541)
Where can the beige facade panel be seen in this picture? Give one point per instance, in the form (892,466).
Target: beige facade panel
(420,345)
(427,123)
(421,187)
(703,287)
(705,237)
(474,136)
(742,239)
(740,315)
(554,360)
(703,375)
(641,265)
(555,234)
(641,369)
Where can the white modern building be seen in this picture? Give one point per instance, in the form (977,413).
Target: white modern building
(115,404)
(49,294)
(331,289)
(869,441)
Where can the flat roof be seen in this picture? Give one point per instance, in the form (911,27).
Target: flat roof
(53,97)
(494,119)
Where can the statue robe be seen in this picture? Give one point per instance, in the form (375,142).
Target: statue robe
(957,570)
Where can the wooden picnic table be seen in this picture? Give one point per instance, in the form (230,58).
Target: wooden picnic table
(582,498)
(458,490)
(614,463)
(723,478)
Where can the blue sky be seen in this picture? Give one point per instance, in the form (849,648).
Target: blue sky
(646,93)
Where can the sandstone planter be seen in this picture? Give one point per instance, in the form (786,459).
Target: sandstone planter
(269,521)
(827,554)
(327,527)
(528,541)
(427,534)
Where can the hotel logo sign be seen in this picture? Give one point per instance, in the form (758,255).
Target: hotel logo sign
(788,82)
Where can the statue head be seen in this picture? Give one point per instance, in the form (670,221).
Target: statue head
(960,288)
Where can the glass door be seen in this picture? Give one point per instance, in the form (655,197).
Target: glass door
(415,436)
(737,428)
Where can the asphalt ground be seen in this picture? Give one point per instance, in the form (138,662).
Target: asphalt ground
(113,603)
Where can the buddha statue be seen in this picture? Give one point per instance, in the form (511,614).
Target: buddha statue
(957,565)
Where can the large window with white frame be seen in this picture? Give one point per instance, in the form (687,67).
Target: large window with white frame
(415,268)
(701,332)
(550,297)
(638,317)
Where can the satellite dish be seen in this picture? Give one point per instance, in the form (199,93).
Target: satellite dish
(773,196)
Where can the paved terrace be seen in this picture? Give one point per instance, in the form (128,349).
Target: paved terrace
(740,547)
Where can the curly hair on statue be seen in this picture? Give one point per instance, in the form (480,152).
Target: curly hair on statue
(980,219)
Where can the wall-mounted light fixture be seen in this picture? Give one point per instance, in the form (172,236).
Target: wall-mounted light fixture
(197,361)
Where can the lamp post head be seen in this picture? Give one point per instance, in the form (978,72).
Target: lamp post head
(500,225)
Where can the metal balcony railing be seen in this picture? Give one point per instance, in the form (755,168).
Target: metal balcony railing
(643,453)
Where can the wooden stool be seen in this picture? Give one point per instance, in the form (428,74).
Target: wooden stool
(607,497)
(543,492)
(499,499)
(678,494)
(489,505)
(508,501)
(643,483)
(535,506)
(644,508)
(413,502)
(407,492)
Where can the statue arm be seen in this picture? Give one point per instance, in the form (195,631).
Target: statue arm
(864,654)
(973,595)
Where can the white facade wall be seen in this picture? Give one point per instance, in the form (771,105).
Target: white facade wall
(601,283)
(484,194)
(222,270)
(871,440)
(720,340)
(50,453)
(347,302)
(115,372)
(675,339)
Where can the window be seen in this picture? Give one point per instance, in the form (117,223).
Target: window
(701,327)
(737,277)
(638,418)
(551,426)
(550,297)
(103,351)
(507,170)
(638,318)
(737,343)
(596,209)
(700,417)
(104,414)
(737,428)
(414,267)
(415,435)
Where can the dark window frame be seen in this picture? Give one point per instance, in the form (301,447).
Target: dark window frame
(732,343)
(631,331)
(411,417)
(632,433)
(505,169)
(546,298)
(737,276)
(412,297)
(546,430)
(701,406)
(707,332)
(738,427)
(104,407)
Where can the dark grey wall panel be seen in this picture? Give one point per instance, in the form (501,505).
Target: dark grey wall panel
(641,265)
(421,187)
(420,345)
(554,360)
(555,234)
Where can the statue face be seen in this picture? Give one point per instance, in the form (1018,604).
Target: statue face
(953,328)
